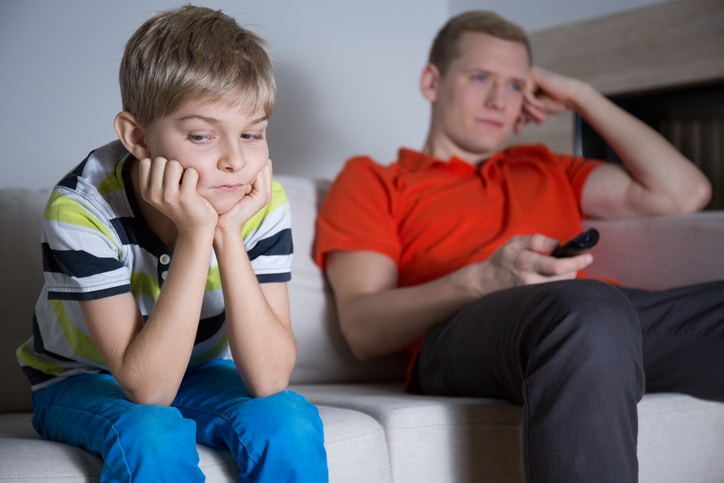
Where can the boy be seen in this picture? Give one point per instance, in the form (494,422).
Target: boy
(165,253)
(446,253)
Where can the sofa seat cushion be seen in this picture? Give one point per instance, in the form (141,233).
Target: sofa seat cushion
(353,440)
(680,439)
(27,457)
(434,439)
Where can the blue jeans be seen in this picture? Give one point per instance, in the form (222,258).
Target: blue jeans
(275,438)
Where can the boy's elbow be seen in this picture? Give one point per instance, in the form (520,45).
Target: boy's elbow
(268,387)
(149,397)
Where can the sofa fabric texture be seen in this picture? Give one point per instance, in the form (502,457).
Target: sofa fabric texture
(375,432)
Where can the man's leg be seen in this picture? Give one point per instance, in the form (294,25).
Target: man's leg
(570,353)
(274,438)
(683,339)
(137,442)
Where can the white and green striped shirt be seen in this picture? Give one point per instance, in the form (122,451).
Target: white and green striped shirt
(95,244)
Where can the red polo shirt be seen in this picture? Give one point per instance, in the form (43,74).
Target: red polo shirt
(432,217)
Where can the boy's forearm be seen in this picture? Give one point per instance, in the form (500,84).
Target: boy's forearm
(260,335)
(158,357)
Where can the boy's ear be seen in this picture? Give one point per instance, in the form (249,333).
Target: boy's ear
(429,81)
(131,134)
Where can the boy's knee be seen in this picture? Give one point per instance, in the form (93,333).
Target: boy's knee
(293,418)
(155,426)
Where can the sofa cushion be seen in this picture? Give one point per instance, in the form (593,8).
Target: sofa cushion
(660,252)
(434,439)
(21,277)
(353,440)
(323,355)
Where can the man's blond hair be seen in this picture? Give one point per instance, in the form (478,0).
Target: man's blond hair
(445,46)
(194,53)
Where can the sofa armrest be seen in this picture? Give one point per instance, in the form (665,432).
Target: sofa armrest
(660,252)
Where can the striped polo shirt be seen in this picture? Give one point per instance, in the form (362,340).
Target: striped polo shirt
(96,244)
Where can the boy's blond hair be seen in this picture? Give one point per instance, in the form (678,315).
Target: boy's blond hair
(445,46)
(194,52)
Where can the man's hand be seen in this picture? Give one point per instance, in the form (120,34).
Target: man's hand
(547,93)
(171,189)
(524,260)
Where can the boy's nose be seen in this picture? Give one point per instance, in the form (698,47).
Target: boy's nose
(232,159)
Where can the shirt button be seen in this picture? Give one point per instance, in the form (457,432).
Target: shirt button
(164,259)
(164,274)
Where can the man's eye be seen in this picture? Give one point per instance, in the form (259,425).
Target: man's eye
(480,77)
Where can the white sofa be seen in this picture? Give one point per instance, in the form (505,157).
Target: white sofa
(375,433)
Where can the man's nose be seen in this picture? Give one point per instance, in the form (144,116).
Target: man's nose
(496,96)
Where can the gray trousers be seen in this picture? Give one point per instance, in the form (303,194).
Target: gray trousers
(578,355)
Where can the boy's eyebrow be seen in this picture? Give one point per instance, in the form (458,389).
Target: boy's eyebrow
(212,120)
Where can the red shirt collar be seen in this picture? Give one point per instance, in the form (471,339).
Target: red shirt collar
(412,160)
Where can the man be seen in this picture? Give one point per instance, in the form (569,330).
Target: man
(446,253)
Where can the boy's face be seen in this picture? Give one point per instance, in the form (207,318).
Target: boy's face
(225,145)
(480,96)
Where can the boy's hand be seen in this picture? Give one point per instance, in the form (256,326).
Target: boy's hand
(258,196)
(171,189)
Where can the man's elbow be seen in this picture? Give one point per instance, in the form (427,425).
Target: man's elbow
(696,198)
(356,343)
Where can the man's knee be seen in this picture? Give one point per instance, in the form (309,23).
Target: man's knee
(595,324)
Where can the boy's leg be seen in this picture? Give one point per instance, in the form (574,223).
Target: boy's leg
(683,337)
(274,438)
(137,442)
(570,353)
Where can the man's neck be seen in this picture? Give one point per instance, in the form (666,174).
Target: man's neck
(444,151)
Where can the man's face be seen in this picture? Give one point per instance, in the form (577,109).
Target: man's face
(480,96)
(224,144)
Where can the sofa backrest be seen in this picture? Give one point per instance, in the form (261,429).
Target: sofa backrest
(20,280)
(323,356)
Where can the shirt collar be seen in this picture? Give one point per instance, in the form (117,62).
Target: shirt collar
(412,160)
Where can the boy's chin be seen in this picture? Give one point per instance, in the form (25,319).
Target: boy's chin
(224,206)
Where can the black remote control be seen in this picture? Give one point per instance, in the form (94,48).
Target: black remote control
(577,245)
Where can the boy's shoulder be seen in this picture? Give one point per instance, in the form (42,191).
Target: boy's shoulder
(96,187)
(102,169)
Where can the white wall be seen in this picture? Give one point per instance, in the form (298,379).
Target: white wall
(534,15)
(347,75)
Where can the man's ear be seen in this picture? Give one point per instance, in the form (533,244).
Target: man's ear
(429,82)
(131,134)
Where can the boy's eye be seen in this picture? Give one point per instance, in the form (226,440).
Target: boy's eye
(199,138)
(252,137)
(480,77)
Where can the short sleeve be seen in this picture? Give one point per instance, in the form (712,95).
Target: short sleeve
(358,212)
